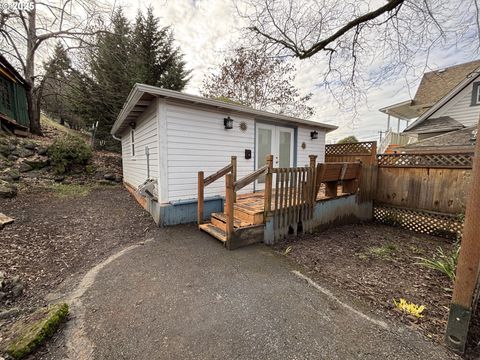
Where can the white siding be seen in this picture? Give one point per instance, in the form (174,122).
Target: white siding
(135,167)
(313,147)
(198,141)
(459,108)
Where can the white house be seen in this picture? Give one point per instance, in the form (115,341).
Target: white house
(169,136)
(446,100)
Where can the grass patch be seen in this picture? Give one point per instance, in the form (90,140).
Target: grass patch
(385,251)
(71,190)
(40,326)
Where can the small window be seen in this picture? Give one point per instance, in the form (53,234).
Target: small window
(475,94)
(132,141)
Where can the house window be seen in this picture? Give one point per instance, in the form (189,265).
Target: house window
(132,141)
(475,94)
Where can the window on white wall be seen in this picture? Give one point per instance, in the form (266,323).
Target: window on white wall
(132,141)
(475,94)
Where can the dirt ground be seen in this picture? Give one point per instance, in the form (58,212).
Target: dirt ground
(64,231)
(378,263)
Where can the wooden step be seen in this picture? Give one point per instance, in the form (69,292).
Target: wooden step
(214,231)
(249,215)
(222,217)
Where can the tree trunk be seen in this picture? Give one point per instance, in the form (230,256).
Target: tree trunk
(32,100)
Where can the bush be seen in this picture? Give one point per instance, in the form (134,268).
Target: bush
(68,152)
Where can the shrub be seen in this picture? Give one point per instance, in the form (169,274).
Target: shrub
(445,263)
(68,152)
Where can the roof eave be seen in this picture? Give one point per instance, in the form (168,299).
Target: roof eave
(139,89)
(439,104)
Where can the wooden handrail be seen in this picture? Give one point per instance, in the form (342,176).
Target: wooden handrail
(240,184)
(203,182)
(215,176)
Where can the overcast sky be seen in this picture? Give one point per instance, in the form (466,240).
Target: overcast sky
(205,28)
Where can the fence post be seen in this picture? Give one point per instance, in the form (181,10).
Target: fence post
(229,198)
(313,166)
(268,188)
(468,266)
(201,187)
(374,152)
(233,161)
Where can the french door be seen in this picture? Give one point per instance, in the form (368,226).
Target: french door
(275,140)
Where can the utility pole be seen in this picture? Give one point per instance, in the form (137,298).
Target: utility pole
(463,299)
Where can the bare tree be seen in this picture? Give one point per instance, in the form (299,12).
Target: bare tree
(251,78)
(27,28)
(360,43)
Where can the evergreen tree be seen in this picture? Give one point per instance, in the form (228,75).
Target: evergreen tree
(157,62)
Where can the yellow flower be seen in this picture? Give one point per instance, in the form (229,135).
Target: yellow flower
(409,308)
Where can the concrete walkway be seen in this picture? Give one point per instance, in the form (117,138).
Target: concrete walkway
(183,296)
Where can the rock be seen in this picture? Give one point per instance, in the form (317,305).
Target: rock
(2,279)
(17,290)
(24,167)
(10,175)
(7,190)
(37,162)
(6,314)
(22,152)
(106,182)
(42,150)
(12,157)
(29,146)
(5,149)
(118,178)
(59,178)
(109,176)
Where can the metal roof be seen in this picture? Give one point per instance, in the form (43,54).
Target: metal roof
(141,95)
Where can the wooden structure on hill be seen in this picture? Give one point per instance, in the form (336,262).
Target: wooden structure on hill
(13,99)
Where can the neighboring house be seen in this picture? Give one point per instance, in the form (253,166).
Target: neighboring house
(170,136)
(13,99)
(446,100)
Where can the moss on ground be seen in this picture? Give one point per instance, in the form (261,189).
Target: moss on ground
(71,190)
(30,333)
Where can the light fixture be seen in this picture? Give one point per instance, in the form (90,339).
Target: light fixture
(228,123)
(314,135)
(132,124)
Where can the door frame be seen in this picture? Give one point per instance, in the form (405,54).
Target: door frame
(275,127)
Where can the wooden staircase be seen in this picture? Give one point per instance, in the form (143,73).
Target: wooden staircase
(244,217)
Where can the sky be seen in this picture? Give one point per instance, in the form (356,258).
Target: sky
(204,29)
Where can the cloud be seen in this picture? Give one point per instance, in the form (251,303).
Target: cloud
(205,28)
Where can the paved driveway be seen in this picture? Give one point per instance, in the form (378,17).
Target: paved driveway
(183,296)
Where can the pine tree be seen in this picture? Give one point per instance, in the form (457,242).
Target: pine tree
(157,62)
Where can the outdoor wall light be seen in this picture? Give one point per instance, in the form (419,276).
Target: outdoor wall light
(314,135)
(132,125)
(228,123)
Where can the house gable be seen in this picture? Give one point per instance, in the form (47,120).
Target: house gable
(455,108)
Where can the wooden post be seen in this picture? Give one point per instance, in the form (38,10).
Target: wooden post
(233,161)
(268,188)
(468,266)
(229,196)
(201,188)
(331,189)
(313,166)
(374,152)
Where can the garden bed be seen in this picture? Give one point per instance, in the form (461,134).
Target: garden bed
(378,264)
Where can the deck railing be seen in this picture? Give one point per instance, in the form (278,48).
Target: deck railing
(290,193)
(230,169)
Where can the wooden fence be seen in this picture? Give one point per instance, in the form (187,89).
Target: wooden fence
(423,192)
(365,152)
